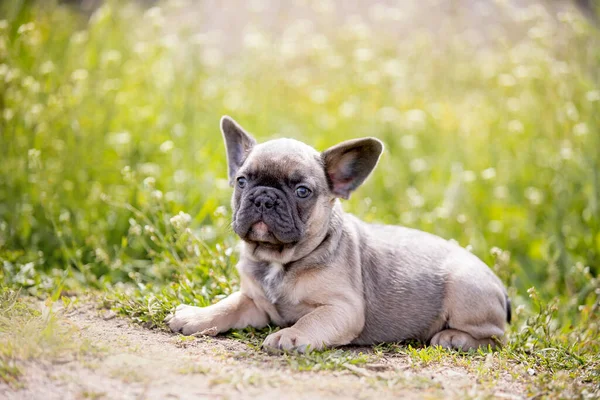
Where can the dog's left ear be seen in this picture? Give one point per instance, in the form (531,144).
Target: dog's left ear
(238,144)
(349,163)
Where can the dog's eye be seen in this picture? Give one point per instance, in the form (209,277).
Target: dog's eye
(302,192)
(241,181)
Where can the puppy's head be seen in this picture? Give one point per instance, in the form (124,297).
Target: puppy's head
(284,190)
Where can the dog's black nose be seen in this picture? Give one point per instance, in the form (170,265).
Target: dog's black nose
(263,202)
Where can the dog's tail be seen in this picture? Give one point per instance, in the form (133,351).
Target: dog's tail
(508,310)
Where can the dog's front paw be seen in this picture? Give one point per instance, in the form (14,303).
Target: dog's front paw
(290,339)
(189,320)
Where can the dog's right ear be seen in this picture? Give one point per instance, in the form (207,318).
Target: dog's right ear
(238,143)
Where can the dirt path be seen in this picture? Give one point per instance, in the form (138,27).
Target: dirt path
(135,363)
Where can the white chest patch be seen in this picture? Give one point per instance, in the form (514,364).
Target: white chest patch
(272,282)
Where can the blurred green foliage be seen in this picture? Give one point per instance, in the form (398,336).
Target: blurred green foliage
(494,146)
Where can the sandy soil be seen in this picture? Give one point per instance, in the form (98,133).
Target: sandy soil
(138,363)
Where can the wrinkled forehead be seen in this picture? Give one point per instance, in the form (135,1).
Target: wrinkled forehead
(284,159)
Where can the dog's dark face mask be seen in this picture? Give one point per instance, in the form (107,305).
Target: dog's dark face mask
(271,211)
(284,190)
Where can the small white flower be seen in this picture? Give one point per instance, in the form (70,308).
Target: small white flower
(220,211)
(149,169)
(593,95)
(180,221)
(28,27)
(348,109)
(135,229)
(46,67)
(521,71)
(572,111)
(149,182)
(501,192)
(566,152)
(414,197)
(416,118)
(12,74)
(208,232)
(36,109)
(319,96)
(101,255)
(180,176)
(581,129)
(442,212)
(8,114)
(515,126)
(111,56)
(408,217)
(167,146)
(64,216)
(489,173)
(79,37)
(118,139)
(178,130)
(79,75)
(469,176)
(534,195)
(157,195)
(394,68)
(34,156)
(418,165)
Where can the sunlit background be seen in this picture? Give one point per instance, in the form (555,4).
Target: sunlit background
(113,171)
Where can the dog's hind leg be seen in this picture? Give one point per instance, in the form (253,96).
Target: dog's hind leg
(455,339)
(475,306)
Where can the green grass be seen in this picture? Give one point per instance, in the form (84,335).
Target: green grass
(113,173)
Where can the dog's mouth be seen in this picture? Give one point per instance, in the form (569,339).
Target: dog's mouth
(262,237)
(259,232)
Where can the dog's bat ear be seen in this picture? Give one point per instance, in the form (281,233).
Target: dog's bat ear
(238,144)
(349,163)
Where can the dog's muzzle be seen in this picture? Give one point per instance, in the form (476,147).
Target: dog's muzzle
(266,216)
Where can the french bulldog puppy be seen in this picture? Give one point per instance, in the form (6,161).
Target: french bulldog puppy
(328,278)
